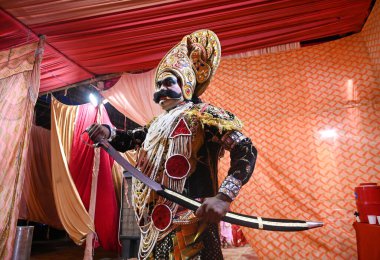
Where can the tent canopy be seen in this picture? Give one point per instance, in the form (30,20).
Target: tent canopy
(95,37)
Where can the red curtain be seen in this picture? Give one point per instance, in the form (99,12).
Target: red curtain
(81,168)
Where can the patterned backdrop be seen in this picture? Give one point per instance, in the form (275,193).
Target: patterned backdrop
(313,114)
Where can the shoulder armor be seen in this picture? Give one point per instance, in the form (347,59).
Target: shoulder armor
(214,116)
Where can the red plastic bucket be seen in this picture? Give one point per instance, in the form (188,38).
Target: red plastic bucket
(367,197)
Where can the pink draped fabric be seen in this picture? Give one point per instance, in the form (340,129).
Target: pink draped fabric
(19,86)
(81,168)
(132,95)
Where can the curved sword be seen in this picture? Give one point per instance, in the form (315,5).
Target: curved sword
(233,218)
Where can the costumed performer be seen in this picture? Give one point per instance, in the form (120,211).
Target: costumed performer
(180,149)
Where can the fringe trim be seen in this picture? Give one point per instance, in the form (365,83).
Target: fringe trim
(152,156)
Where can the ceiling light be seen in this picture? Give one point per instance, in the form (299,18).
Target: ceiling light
(93,100)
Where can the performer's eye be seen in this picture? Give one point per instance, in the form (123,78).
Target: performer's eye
(159,83)
(169,81)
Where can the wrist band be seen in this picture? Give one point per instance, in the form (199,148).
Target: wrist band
(230,187)
(112,132)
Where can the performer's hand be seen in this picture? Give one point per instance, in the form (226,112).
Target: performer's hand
(214,208)
(98,132)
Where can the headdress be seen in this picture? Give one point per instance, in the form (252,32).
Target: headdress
(193,61)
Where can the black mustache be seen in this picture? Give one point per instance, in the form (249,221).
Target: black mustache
(165,93)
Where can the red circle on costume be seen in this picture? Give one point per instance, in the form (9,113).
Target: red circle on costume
(161,217)
(177,166)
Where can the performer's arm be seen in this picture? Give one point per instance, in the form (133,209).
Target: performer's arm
(119,139)
(127,140)
(243,158)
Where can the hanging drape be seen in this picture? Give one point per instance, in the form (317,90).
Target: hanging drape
(71,211)
(132,95)
(78,161)
(37,197)
(81,169)
(19,86)
(117,177)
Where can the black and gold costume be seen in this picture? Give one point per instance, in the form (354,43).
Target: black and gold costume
(212,131)
(180,149)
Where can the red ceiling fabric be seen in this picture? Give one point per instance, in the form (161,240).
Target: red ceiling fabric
(56,68)
(100,38)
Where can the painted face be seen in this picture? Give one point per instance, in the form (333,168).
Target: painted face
(168,92)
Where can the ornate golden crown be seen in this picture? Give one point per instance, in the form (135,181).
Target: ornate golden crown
(193,61)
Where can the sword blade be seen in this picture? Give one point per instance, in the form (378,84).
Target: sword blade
(128,167)
(231,217)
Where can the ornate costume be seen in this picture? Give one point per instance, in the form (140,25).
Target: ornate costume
(180,149)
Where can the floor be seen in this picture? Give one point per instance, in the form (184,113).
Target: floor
(65,249)
(241,253)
